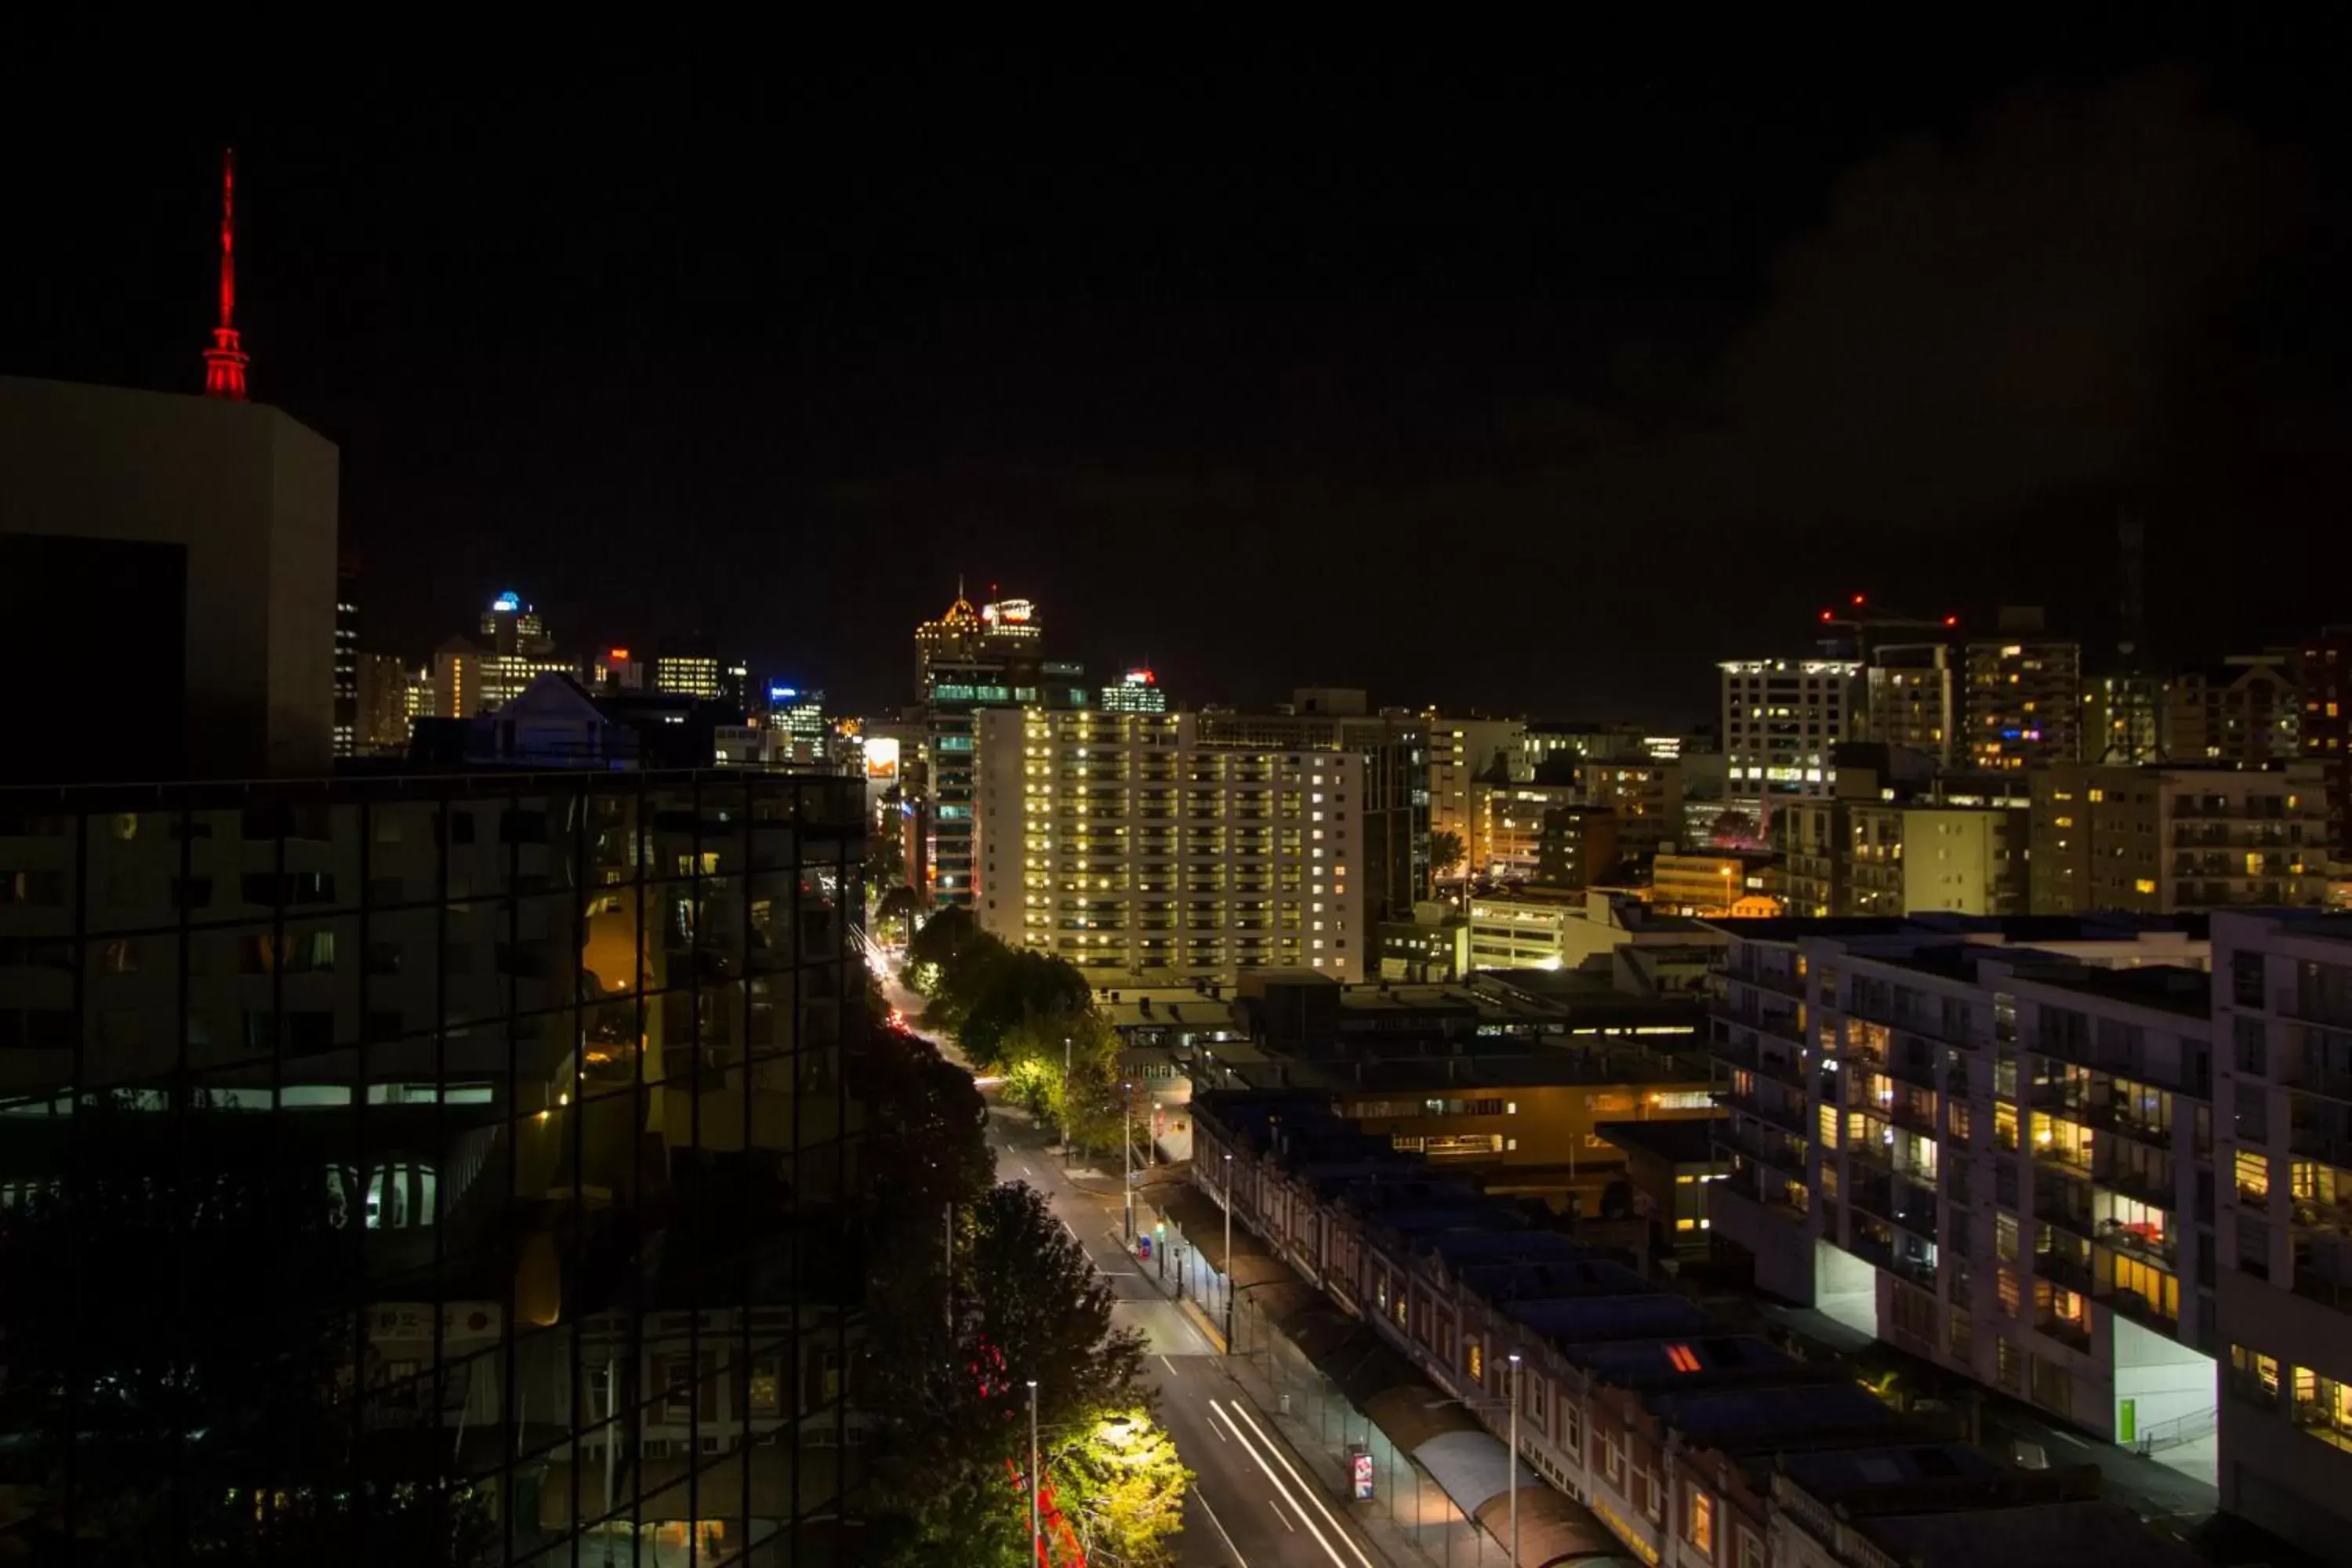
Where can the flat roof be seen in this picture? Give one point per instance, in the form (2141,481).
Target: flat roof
(1685,1140)
(1830,1474)
(1575,1323)
(2170,987)
(2037,1535)
(1740,1415)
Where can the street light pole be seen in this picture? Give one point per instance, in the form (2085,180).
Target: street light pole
(1036,1537)
(1229,1254)
(1066,1102)
(1127,1154)
(1515,1460)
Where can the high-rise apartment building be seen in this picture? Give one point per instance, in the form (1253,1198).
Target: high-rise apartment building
(383,715)
(1506,838)
(2326,728)
(1137,692)
(2022,698)
(1913,699)
(489,1137)
(1989,1143)
(1780,719)
(1394,815)
(1646,793)
(1130,845)
(1863,856)
(1461,752)
(2158,839)
(1576,846)
(2122,718)
(2245,710)
(968,660)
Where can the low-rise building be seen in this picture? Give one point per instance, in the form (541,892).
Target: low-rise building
(1716,885)
(1871,857)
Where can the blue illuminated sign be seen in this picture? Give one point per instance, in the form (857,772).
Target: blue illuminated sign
(509,600)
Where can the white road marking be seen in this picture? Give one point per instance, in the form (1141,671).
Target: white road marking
(1221,1526)
(1278,1514)
(1217,1411)
(1312,1495)
(1170,1366)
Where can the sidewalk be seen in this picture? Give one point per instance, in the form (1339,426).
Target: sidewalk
(1410,1522)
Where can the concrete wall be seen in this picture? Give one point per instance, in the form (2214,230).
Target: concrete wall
(252,496)
(2165,1382)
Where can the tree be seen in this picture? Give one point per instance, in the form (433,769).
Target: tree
(1447,854)
(895,909)
(954,1392)
(1122,1486)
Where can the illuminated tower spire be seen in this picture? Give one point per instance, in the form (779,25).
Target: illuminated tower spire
(224,361)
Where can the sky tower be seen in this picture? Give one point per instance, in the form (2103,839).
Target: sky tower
(224,361)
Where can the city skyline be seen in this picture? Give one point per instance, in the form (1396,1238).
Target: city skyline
(1715,334)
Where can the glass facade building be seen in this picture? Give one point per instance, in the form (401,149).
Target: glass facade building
(455,1168)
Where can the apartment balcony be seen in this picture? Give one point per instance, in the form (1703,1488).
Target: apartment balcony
(2066,1332)
(1786,984)
(2059,1157)
(1871,1152)
(2125,1124)
(2065,1207)
(2314,1078)
(1914,1118)
(2314,1217)
(1779,1066)
(2140,1309)
(1778,1022)
(2144,1243)
(2158,1189)
(1765,1145)
(2328,1142)
(1768,1109)
(1916,1270)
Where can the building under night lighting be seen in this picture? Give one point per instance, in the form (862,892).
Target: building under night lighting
(1138,693)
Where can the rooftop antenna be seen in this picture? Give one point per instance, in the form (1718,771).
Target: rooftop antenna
(224,361)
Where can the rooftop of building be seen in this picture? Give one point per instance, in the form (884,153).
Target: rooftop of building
(1688,1141)
(2171,988)
(2036,1535)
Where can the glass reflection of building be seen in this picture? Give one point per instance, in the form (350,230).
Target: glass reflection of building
(540,1081)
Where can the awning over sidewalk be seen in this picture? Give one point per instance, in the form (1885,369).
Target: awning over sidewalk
(1473,1466)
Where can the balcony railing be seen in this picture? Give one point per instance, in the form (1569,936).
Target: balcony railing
(2158,1188)
(2141,1243)
(1790,1119)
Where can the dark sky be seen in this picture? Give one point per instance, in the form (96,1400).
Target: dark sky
(1532,378)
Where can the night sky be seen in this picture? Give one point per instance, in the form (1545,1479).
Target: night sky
(1534,378)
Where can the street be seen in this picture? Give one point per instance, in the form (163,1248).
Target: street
(1251,1504)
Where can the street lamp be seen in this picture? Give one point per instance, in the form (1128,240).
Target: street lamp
(1066,1102)
(1127,1154)
(1515,1460)
(1229,1254)
(1037,1536)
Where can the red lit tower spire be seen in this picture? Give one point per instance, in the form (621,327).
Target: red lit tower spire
(224,361)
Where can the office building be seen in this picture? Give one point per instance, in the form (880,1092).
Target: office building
(1780,719)
(2282,1180)
(208,528)
(1863,855)
(1128,844)
(1137,692)
(1913,699)
(472,678)
(2022,697)
(383,691)
(1464,753)
(1522,928)
(798,728)
(968,660)
(1716,884)
(413,1120)
(420,697)
(617,668)
(1989,1144)
(2246,710)
(1543,743)
(691,668)
(347,721)
(2325,727)
(513,627)
(2157,839)
(1394,746)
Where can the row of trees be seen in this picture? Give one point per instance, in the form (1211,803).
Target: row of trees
(1027,1017)
(965,1311)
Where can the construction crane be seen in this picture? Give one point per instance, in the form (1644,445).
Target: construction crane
(1862,620)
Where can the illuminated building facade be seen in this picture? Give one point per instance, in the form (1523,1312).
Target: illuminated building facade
(796,721)
(1394,815)
(1506,837)
(510,627)
(1137,692)
(1645,793)
(968,660)
(2325,729)
(1130,846)
(441,1108)
(2157,839)
(2022,698)
(1989,1143)
(347,721)
(383,715)
(1868,857)
(1780,718)
(1461,754)
(2245,710)
(1913,699)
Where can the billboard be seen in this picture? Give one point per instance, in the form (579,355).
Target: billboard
(881,758)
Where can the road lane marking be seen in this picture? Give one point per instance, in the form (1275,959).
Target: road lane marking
(1267,1471)
(1277,1513)
(1170,1366)
(1220,1524)
(1312,1494)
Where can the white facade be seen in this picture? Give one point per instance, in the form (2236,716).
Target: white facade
(1997,1156)
(1120,842)
(1781,717)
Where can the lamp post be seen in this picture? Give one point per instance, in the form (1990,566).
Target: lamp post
(1515,1460)
(1127,1154)
(1229,1254)
(1036,1537)
(1066,1102)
